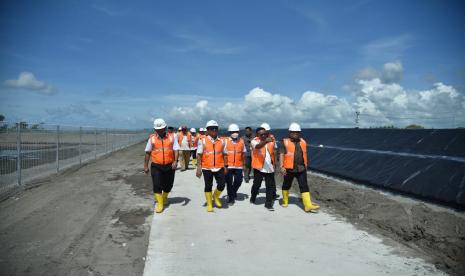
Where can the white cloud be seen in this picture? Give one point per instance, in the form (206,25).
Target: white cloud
(312,110)
(387,48)
(27,80)
(377,94)
(392,72)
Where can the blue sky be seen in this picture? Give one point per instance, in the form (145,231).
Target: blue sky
(123,63)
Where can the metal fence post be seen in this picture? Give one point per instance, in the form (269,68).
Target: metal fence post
(95,144)
(80,146)
(58,149)
(18,148)
(106,140)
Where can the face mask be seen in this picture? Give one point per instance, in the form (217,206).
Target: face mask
(234,135)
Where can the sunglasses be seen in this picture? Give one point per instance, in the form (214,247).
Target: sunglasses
(213,128)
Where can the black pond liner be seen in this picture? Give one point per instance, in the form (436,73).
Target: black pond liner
(427,164)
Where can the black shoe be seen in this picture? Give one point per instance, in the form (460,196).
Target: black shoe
(252,199)
(246,179)
(230,199)
(269,207)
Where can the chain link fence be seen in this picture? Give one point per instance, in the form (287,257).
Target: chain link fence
(29,152)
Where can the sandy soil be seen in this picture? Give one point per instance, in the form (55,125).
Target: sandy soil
(437,233)
(94,220)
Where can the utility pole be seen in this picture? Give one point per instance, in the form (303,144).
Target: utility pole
(357,114)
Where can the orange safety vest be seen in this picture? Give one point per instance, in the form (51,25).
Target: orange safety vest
(212,155)
(288,161)
(258,155)
(162,149)
(196,140)
(189,138)
(235,152)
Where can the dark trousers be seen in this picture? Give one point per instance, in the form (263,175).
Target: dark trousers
(269,184)
(233,182)
(162,178)
(208,178)
(194,154)
(301,179)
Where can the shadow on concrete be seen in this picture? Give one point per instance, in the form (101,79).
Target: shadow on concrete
(178,200)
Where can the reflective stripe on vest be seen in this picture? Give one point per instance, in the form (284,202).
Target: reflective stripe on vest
(162,149)
(212,155)
(258,155)
(288,161)
(235,152)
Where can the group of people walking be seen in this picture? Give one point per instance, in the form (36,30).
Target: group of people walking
(229,160)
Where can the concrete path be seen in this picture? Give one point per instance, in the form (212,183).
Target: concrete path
(246,239)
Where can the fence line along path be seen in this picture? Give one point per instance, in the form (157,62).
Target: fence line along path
(28,152)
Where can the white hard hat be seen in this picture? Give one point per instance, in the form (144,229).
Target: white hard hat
(294,127)
(211,123)
(265,126)
(159,123)
(180,128)
(192,130)
(233,127)
(203,129)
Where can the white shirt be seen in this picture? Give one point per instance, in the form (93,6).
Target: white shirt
(267,165)
(244,150)
(193,140)
(148,147)
(200,151)
(184,143)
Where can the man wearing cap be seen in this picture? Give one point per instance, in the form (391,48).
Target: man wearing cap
(212,162)
(293,156)
(247,138)
(263,160)
(236,160)
(184,140)
(162,148)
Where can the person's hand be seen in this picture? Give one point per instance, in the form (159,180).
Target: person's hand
(146,169)
(283,171)
(269,139)
(198,173)
(174,165)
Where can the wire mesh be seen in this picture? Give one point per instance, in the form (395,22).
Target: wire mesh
(30,152)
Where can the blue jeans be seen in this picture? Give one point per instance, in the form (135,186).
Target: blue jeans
(233,182)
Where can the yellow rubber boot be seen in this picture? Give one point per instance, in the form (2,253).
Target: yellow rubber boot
(194,162)
(308,206)
(159,199)
(216,196)
(285,198)
(165,198)
(208,198)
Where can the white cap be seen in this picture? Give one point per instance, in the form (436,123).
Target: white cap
(192,130)
(294,127)
(233,127)
(211,123)
(265,126)
(159,123)
(202,129)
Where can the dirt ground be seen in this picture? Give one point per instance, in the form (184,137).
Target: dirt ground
(436,233)
(93,220)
